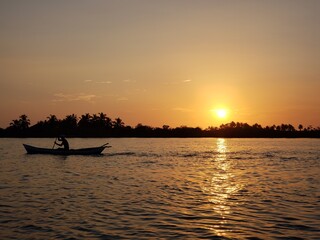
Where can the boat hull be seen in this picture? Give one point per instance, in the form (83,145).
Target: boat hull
(81,151)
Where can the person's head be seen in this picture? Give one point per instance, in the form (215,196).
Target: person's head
(61,137)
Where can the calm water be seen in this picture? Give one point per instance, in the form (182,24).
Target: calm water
(162,189)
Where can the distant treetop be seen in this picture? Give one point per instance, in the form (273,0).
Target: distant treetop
(100,125)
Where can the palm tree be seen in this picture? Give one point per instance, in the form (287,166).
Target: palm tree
(257,126)
(95,120)
(102,119)
(22,123)
(232,124)
(284,127)
(291,128)
(68,125)
(108,122)
(70,121)
(85,121)
(118,123)
(52,121)
(165,127)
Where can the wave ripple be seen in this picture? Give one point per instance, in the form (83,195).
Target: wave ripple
(164,189)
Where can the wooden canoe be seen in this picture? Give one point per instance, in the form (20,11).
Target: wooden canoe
(81,151)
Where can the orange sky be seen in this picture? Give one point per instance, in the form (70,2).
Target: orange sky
(161,62)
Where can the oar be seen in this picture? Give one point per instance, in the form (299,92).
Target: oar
(54,143)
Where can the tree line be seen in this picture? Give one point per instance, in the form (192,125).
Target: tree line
(100,125)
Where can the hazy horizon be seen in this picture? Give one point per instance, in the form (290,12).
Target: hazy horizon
(161,62)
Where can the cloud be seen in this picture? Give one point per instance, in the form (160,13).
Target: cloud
(99,82)
(187,80)
(104,82)
(129,81)
(61,97)
(179,82)
(182,109)
(122,99)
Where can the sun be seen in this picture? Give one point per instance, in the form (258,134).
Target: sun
(221,113)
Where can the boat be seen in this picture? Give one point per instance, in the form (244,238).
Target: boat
(80,151)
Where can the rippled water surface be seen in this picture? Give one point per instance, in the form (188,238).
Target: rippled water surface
(162,189)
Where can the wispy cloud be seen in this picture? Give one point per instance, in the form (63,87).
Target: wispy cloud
(187,81)
(129,81)
(179,109)
(98,82)
(104,82)
(122,99)
(179,82)
(61,97)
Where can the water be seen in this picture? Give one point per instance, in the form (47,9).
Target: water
(162,189)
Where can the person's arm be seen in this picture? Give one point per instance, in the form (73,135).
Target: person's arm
(59,144)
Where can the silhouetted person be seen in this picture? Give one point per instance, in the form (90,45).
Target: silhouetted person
(63,143)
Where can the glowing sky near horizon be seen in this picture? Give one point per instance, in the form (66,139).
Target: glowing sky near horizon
(161,62)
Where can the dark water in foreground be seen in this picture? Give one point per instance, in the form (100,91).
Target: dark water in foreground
(162,189)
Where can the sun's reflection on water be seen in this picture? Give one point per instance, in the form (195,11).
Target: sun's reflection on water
(220,188)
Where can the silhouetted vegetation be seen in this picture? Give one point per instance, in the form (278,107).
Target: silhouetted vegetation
(100,125)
